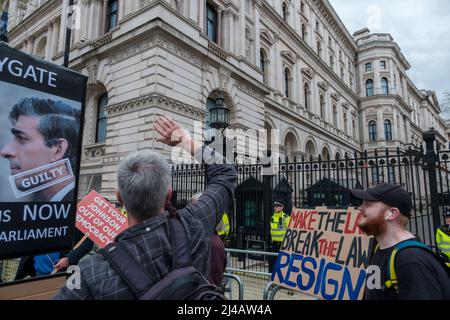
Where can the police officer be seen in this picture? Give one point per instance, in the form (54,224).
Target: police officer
(278,226)
(443,236)
(225,227)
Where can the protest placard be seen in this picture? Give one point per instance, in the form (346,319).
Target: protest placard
(41,112)
(99,219)
(324,254)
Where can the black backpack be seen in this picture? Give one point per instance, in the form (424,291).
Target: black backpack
(184,282)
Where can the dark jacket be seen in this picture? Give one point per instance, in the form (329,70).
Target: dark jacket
(149,242)
(218,260)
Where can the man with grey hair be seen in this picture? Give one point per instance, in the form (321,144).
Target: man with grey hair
(144,190)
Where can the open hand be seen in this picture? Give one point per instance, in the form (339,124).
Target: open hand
(171,133)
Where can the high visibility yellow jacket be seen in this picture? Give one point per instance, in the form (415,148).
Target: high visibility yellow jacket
(226,226)
(278,225)
(443,241)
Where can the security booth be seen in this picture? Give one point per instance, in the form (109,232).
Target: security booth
(333,193)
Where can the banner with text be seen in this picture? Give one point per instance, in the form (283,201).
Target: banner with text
(99,219)
(41,112)
(324,254)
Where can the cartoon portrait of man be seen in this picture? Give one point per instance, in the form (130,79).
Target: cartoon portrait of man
(44,132)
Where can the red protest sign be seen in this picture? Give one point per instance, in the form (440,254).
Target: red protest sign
(99,219)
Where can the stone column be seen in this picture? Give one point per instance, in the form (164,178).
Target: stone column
(14,12)
(48,45)
(63,27)
(121,13)
(401,129)
(278,85)
(395,124)
(257,6)
(242,28)
(365,133)
(103,17)
(219,28)
(392,87)
(362,84)
(201,18)
(377,79)
(54,45)
(30,45)
(380,125)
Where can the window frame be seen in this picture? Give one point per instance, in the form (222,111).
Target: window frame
(372,125)
(102,118)
(211,20)
(370,93)
(110,13)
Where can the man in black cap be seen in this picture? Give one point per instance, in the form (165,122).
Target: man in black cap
(278,226)
(408,270)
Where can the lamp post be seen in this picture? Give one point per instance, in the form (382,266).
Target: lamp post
(4,27)
(68,34)
(220,118)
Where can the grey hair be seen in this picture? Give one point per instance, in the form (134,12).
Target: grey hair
(56,120)
(144,179)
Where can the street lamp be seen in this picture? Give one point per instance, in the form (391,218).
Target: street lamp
(220,119)
(220,115)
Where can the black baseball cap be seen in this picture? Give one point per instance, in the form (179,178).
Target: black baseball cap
(390,194)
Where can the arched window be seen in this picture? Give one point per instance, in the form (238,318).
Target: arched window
(112,14)
(322,107)
(384,86)
(100,135)
(388,130)
(287,79)
(372,131)
(335,116)
(285,11)
(369,88)
(303,32)
(307,96)
(263,65)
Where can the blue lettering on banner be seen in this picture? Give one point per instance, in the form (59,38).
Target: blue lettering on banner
(318,274)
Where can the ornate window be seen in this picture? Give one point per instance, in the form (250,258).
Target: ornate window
(112,15)
(372,131)
(100,135)
(369,88)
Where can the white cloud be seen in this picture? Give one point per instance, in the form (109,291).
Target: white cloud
(420,27)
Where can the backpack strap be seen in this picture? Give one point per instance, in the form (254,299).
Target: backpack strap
(392,281)
(128,269)
(181,253)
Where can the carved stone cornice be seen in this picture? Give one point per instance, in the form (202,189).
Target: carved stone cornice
(156,39)
(250,91)
(155,100)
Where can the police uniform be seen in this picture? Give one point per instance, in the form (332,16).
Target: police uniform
(278,226)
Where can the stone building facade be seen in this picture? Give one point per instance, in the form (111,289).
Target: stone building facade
(289,66)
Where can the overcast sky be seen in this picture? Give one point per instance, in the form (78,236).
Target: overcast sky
(420,27)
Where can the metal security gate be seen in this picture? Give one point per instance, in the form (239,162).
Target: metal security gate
(312,182)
